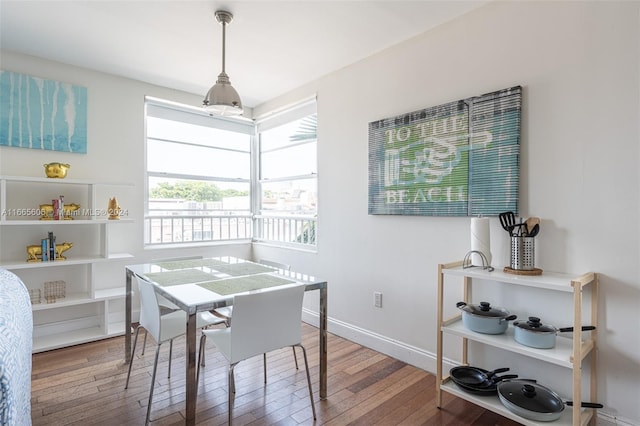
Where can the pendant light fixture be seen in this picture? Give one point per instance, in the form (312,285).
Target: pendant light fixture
(222,98)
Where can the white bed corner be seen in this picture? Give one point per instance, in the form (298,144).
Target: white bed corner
(16,329)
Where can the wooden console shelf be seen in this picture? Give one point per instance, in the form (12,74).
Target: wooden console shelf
(568,353)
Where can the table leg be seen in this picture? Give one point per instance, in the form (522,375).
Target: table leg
(323,342)
(127,318)
(192,385)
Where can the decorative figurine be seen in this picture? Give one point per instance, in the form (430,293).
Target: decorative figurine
(46,211)
(56,170)
(114,209)
(36,250)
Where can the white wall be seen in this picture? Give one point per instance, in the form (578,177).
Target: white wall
(115,147)
(578,63)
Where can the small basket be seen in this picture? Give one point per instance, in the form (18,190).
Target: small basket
(35,295)
(54,290)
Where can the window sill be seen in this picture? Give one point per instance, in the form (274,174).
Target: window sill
(302,249)
(196,244)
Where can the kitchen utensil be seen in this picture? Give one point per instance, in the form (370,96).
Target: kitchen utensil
(533,231)
(518,230)
(507,220)
(474,376)
(537,335)
(531,223)
(485,319)
(534,401)
(492,389)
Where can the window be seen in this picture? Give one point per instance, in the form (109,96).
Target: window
(200,186)
(288,178)
(198,176)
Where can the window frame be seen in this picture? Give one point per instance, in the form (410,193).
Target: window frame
(162,109)
(261,233)
(159,108)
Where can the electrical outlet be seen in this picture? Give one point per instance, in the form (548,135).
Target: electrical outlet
(377,299)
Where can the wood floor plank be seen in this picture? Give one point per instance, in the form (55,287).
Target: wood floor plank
(84,386)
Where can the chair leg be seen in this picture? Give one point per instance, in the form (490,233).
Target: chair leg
(306,366)
(144,343)
(201,357)
(264,362)
(295,357)
(133,352)
(203,341)
(170,356)
(232,391)
(153,382)
(232,386)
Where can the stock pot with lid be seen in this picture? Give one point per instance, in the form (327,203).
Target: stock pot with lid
(484,318)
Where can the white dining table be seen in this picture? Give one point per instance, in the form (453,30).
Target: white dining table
(197,285)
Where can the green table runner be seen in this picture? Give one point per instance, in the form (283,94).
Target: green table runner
(187,272)
(238,269)
(181,276)
(242,284)
(233,269)
(190,263)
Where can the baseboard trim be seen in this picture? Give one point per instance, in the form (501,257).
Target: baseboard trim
(412,355)
(609,419)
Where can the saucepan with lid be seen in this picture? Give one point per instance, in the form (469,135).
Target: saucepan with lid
(537,335)
(484,318)
(534,401)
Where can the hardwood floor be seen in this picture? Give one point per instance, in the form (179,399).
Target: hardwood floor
(84,385)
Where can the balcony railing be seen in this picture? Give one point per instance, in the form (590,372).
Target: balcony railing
(291,229)
(294,230)
(163,229)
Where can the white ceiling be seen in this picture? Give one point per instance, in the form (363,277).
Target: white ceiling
(272,46)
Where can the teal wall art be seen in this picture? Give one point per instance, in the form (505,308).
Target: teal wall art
(457,159)
(42,114)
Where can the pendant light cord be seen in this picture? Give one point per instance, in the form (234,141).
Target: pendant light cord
(224,27)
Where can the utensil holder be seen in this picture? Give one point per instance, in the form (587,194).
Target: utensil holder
(522,253)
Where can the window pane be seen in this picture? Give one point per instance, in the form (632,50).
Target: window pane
(289,149)
(294,196)
(293,161)
(281,136)
(189,197)
(171,157)
(159,128)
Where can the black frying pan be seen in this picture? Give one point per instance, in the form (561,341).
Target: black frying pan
(473,376)
(491,389)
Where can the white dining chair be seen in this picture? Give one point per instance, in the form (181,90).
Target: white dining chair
(162,328)
(226,312)
(249,335)
(166,306)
